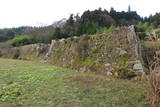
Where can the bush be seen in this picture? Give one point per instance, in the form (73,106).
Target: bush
(158,32)
(125,73)
(22,40)
(141,35)
(106,30)
(142,29)
(148,53)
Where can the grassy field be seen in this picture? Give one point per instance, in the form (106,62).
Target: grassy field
(31,84)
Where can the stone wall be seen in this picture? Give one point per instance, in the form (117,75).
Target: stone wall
(27,52)
(110,54)
(105,53)
(33,51)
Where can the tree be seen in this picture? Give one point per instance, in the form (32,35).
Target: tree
(70,21)
(22,40)
(155,20)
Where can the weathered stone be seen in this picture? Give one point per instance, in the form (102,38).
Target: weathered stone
(81,53)
(83,69)
(107,65)
(62,40)
(121,52)
(109,55)
(64,59)
(138,67)
(132,38)
(51,48)
(109,73)
(116,74)
(40,48)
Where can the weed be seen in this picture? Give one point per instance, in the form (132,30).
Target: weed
(10,91)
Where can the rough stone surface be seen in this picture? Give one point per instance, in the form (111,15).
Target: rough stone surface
(28,52)
(104,53)
(98,53)
(109,73)
(138,67)
(121,51)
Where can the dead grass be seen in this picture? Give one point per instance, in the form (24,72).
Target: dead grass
(152,43)
(154,88)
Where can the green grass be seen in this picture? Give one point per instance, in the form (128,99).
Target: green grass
(32,84)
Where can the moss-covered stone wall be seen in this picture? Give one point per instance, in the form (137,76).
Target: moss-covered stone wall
(105,53)
(116,53)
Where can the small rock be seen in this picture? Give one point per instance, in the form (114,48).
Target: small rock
(107,64)
(109,73)
(83,69)
(138,68)
(116,74)
(121,51)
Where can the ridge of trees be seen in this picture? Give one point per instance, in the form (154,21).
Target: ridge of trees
(90,22)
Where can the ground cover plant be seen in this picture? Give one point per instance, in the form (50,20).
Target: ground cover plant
(32,84)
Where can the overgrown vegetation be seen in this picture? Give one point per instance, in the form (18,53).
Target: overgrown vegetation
(142,29)
(150,54)
(123,71)
(22,40)
(154,88)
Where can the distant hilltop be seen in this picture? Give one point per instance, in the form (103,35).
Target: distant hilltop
(60,23)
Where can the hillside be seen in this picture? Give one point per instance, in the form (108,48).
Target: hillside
(33,84)
(90,22)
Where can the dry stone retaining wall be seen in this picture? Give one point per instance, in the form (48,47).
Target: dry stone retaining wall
(104,53)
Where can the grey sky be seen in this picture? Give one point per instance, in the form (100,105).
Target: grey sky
(14,13)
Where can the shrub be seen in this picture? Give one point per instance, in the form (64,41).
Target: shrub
(158,33)
(123,70)
(110,29)
(22,40)
(106,30)
(141,35)
(142,29)
(125,73)
(154,78)
(148,53)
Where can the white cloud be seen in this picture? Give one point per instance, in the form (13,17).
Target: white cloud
(15,13)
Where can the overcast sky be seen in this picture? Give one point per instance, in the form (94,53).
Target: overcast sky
(15,13)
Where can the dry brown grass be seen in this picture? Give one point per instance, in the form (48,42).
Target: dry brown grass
(154,88)
(154,76)
(152,43)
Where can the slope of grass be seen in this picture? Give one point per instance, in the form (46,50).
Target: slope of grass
(31,84)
